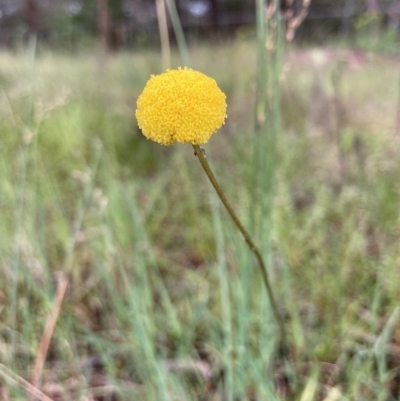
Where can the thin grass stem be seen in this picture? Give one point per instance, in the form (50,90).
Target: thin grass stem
(164,36)
(179,34)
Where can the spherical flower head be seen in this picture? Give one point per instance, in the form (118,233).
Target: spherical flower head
(180,105)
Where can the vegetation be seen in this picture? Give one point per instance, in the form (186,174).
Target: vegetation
(164,300)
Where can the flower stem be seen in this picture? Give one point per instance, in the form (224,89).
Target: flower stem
(204,163)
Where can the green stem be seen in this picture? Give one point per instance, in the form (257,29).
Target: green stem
(204,163)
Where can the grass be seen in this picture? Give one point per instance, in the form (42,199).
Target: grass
(163,295)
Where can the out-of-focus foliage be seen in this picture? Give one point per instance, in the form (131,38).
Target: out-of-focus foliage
(134,22)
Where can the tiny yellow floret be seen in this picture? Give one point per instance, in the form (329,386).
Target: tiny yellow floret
(181,106)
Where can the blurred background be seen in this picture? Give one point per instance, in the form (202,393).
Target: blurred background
(121,275)
(129,24)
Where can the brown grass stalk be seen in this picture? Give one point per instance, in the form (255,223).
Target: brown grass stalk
(48,332)
(164,37)
(17,381)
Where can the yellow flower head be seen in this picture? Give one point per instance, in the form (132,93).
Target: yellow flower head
(180,106)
